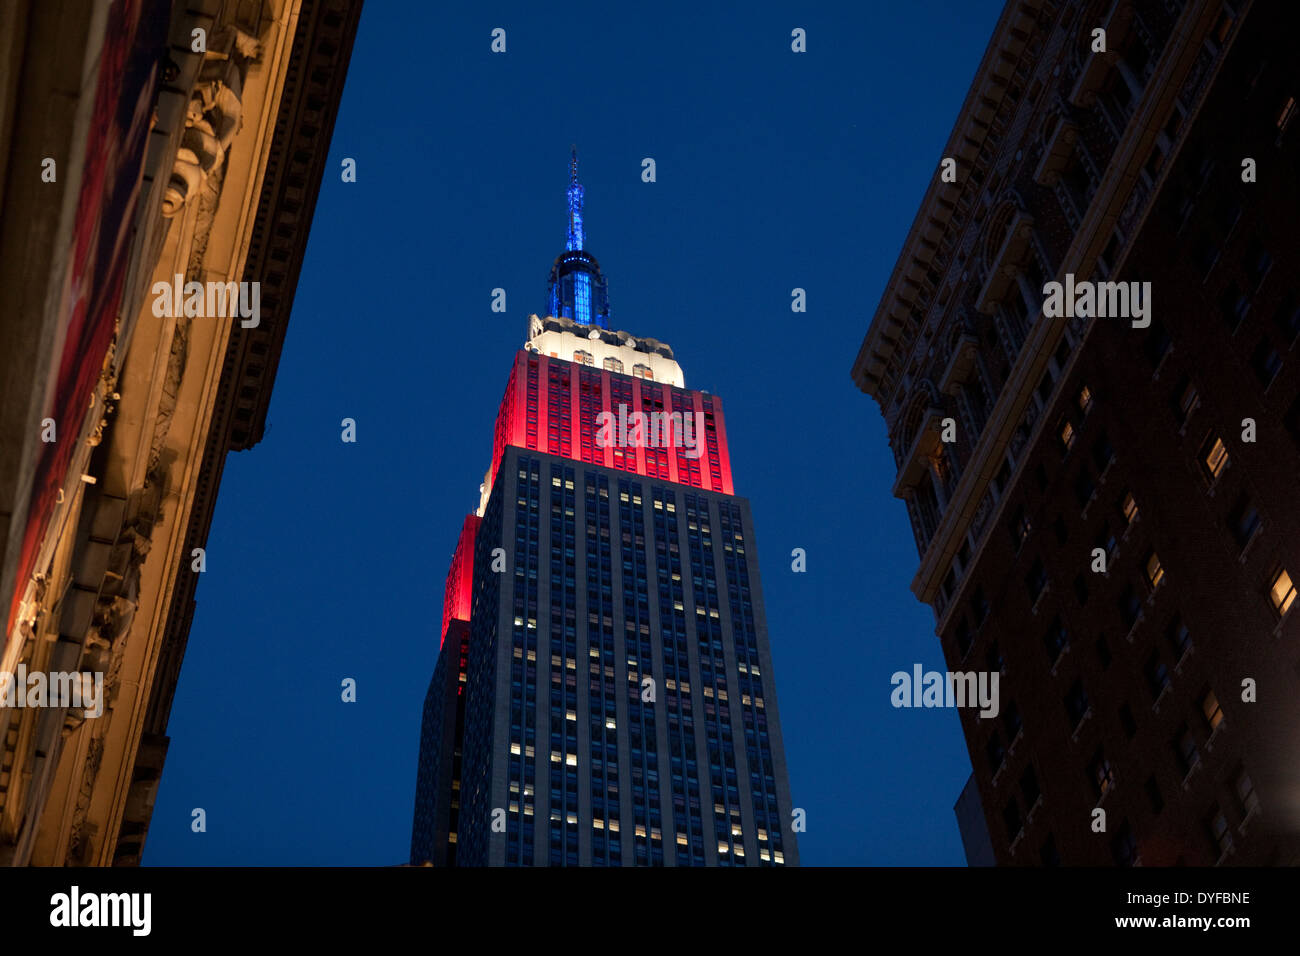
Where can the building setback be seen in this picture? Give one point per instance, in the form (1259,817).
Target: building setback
(604,692)
(1115,526)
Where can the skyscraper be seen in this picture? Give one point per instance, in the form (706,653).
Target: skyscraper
(604,692)
(1104,500)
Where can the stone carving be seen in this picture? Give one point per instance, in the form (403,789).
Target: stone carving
(213,117)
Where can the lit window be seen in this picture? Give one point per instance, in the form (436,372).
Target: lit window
(1282,592)
(581,357)
(1067,435)
(642,371)
(1214,456)
(1284,117)
(613,365)
(1155,572)
(1085,399)
(1185,400)
(1210,707)
(1129,507)
(1103,776)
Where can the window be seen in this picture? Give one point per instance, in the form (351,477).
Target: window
(1157,675)
(1287,317)
(1220,832)
(1214,457)
(1285,115)
(995,752)
(1065,432)
(1076,704)
(1103,652)
(1153,794)
(1156,344)
(1180,639)
(1106,541)
(1185,400)
(1011,720)
(1084,400)
(643,371)
(1233,305)
(581,357)
(963,637)
(1124,847)
(1020,527)
(613,365)
(1245,791)
(1035,581)
(1258,262)
(1130,607)
(1154,570)
(1101,774)
(1265,362)
(1102,452)
(1185,750)
(1282,592)
(1128,508)
(1210,708)
(1084,486)
(1243,521)
(1055,640)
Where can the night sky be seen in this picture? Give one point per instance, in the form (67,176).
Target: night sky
(775,170)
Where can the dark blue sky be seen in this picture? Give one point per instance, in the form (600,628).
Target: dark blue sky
(775,170)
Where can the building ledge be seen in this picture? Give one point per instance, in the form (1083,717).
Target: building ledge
(1003,269)
(917,459)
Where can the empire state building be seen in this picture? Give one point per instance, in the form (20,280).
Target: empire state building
(603,693)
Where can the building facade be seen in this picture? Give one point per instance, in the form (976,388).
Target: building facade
(1104,502)
(141,142)
(604,692)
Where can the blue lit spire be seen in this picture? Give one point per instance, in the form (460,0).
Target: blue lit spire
(577,237)
(577,289)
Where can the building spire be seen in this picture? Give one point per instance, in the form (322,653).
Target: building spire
(577,237)
(578,290)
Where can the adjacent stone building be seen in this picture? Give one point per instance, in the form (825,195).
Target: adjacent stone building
(1114,525)
(140,141)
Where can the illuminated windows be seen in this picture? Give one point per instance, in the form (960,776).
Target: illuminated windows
(581,357)
(1066,434)
(1084,400)
(1211,709)
(613,365)
(1282,591)
(1101,774)
(1155,572)
(1213,457)
(1128,507)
